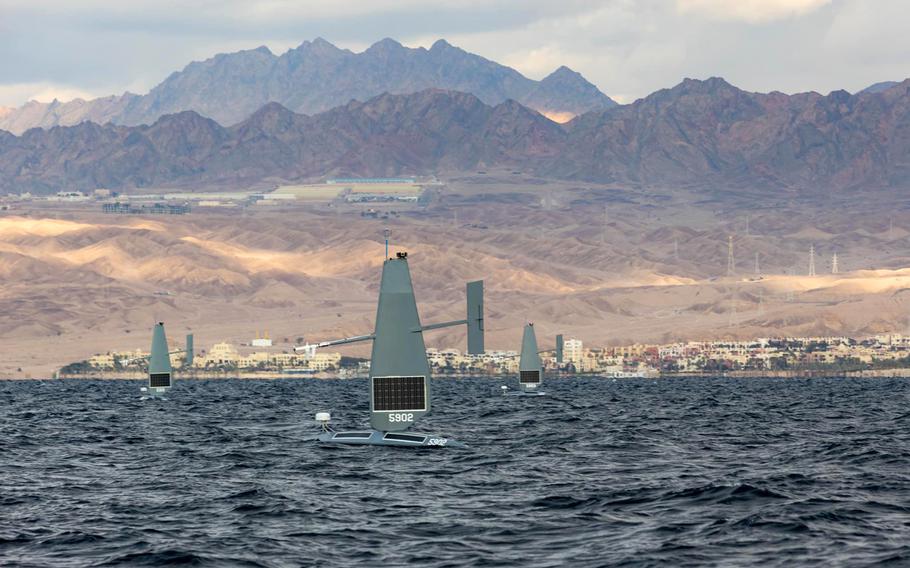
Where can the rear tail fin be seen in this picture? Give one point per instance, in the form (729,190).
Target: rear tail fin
(559,346)
(475,317)
(188,356)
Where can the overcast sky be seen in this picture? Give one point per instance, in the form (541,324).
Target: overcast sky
(628,48)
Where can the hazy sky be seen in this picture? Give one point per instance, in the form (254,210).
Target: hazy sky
(628,48)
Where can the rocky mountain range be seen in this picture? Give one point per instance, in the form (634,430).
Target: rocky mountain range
(315,77)
(706,134)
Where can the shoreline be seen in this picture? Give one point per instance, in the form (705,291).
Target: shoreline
(902,373)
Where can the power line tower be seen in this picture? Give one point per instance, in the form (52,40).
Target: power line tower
(731,262)
(834,267)
(757,269)
(812,260)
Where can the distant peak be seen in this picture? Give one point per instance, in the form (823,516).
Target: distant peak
(563,70)
(564,73)
(184,117)
(879,87)
(385,44)
(270,109)
(264,50)
(710,85)
(318,44)
(440,44)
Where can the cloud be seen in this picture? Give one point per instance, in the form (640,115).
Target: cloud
(628,48)
(752,11)
(42,92)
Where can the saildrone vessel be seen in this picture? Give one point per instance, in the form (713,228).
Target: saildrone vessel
(399,377)
(530,367)
(160,370)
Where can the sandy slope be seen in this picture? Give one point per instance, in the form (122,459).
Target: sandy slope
(79,282)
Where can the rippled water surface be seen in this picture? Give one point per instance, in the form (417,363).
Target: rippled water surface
(669,472)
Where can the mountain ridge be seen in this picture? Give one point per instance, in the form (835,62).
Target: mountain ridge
(700,133)
(313,77)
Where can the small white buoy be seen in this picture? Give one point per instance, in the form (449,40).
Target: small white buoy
(323,417)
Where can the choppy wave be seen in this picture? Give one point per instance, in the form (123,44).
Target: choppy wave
(629,473)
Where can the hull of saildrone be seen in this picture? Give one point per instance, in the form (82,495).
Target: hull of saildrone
(377,438)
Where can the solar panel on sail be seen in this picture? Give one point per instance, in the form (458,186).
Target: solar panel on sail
(529,377)
(399,393)
(160,380)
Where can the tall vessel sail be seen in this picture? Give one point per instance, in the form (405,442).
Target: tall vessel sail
(530,366)
(160,370)
(400,391)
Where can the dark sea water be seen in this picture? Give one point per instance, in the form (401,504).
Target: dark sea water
(631,473)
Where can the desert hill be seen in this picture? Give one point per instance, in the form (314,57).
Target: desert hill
(77,282)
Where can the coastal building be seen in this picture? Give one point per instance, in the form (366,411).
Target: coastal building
(263,341)
(220,354)
(105,361)
(324,361)
(572,351)
(762,354)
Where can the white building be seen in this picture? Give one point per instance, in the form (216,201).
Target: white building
(572,351)
(220,354)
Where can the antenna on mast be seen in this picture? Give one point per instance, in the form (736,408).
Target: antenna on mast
(387,232)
